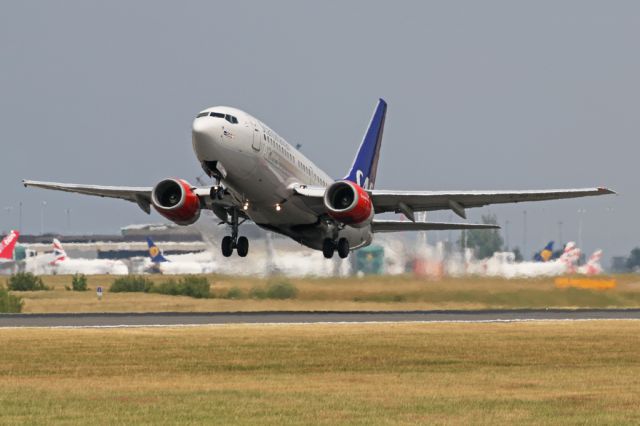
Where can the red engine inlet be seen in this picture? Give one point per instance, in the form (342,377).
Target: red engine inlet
(174,199)
(348,203)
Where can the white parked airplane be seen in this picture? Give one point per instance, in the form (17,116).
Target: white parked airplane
(59,263)
(260,177)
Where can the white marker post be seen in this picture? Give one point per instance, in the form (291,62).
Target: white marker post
(99,292)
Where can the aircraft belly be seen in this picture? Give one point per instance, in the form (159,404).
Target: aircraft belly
(269,187)
(289,216)
(313,236)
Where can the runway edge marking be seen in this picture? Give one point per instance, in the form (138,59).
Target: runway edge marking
(273,324)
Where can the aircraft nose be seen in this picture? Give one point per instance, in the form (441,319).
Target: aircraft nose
(203,127)
(205,136)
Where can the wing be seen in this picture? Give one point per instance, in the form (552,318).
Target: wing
(141,195)
(312,197)
(412,201)
(408,202)
(397,225)
(135,194)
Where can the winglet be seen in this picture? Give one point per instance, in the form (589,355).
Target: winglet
(365,164)
(605,190)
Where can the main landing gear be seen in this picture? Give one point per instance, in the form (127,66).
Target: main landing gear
(329,247)
(241,244)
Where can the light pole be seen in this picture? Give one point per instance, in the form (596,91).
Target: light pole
(42,206)
(560,232)
(581,213)
(68,211)
(20,216)
(524,234)
(506,234)
(8,209)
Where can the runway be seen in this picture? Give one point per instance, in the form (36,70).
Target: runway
(283,317)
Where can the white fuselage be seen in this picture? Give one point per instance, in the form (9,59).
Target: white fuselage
(259,168)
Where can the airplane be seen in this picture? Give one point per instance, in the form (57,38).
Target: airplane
(545,254)
(59,254)
(156,257)
(504,264)
(59,263)
(593,266)
(188,263)
(258,176)
(155,254)
(7,247)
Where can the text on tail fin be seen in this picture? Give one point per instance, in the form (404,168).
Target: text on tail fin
(8,244)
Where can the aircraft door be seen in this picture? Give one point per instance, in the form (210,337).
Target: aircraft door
(257,137)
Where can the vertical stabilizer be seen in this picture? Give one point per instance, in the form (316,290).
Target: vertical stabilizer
(154,252)
(59,254)
(7,245)
(545,254)
(364,167)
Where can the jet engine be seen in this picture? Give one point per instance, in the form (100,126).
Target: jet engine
(174,199)
(348,203)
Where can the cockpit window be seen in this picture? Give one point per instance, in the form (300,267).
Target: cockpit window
(231,119)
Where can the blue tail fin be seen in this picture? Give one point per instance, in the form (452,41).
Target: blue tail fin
(363,169)
(154,252)
(545,254)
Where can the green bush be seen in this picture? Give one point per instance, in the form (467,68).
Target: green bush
(79,282)
(195,286)
(26,281)
(170,287)
(191,285)
(258,293)
(9,304)
(281,290)
(277,290)
(131,283)
(234,293)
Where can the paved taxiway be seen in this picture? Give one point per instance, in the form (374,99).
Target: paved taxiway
(204,318)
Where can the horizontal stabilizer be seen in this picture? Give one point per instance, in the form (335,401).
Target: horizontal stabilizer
(398,226)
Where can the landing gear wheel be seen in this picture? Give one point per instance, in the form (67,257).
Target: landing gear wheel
(343,248)
(328,248)
(227,246)
(242,246)
(216,192)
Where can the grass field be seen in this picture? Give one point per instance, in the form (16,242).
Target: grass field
(369,293)
(515,373)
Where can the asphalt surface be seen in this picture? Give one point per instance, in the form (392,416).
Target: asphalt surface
(204,318)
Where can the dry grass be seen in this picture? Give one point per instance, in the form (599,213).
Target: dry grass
(370,293)
(526,373)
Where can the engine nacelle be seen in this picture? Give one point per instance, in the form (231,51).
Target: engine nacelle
(348,203)
(174,199)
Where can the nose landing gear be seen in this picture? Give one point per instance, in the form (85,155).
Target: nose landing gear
(329,247)
(241,244)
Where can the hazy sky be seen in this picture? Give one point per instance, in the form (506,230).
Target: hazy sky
(482,95)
